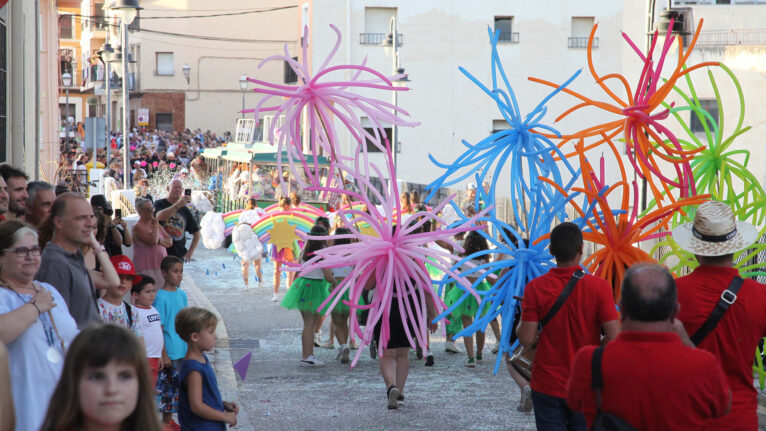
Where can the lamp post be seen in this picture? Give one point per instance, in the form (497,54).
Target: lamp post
(106,55)
(390,42)
(126,11)
(66,79)
(243,87)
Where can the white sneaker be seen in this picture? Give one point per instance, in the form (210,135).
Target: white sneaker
(496,349)
(317,339)
(451,347)
(345,351)
(275,298)
(311,361)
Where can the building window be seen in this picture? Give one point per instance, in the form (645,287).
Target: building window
(165,63)
(369,128)
(66,31)
(709,105)
(581,28)
(290,76)
(504,26)
(99,20)
(498,125)
(164,121)
(377,22)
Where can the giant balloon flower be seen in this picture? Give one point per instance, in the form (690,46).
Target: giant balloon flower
(318,100)
(524,154)
(639,122)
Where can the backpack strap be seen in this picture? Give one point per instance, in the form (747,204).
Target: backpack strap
(129,313)
(728,297)
(563,297)
(596,380)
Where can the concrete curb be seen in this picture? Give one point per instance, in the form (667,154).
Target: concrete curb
(222,363)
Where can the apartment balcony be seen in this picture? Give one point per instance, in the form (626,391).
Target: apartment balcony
(581,42)
(714,39)
(378,38)
(508,37)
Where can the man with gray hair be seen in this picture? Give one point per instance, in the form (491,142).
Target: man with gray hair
(41,197)
(647,377)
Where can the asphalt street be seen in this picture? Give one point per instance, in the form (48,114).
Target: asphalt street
(278,394)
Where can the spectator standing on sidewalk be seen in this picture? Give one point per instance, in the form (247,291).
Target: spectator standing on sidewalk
(578,323)
(63,264)
(650,379)
(40,199)
(174,215)
(714,237)
(16,182)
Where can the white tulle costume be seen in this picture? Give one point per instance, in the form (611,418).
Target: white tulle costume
(212,228)
(246,242)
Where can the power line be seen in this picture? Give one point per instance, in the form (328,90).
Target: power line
(184,35)
(221,14)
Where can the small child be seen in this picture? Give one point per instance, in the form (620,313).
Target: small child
(168,302)
(112,308)
(104,364)
(200,406)
(143,294)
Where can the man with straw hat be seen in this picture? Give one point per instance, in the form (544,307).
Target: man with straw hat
(722,313)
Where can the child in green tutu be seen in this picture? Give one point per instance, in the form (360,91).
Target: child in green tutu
(466,311)
(308,292)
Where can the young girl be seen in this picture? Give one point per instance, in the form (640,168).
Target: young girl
(104,385)
(466,311)
(282,255)
(307,293)
(249,248)
(200,406)
(341,312)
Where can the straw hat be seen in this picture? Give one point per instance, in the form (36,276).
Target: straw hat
(714,232)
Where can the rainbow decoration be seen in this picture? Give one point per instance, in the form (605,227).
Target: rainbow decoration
(230,220)
(302,222)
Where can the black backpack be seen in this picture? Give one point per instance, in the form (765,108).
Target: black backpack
(604,421)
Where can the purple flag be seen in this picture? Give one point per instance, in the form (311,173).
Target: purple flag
(241,366)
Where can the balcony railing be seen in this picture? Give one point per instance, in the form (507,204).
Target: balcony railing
(581,42)
(378,38)
(508,37)
(734,37)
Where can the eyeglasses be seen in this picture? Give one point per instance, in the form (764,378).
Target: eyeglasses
(23,252)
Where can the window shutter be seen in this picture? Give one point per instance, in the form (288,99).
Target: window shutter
(377,19)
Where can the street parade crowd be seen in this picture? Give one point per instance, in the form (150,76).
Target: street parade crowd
(92,339)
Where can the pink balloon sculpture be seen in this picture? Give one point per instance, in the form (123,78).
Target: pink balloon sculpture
(321,100)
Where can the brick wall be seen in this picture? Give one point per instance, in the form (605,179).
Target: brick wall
(162,103)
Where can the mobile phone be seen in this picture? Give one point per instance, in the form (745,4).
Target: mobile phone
(187,192)
(118,213)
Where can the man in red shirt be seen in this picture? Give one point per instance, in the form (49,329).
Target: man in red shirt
(714,237)
(578,323)
(650,379)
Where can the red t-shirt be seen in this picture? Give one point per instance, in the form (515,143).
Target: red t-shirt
(578,323)
(652,381)
(735,338)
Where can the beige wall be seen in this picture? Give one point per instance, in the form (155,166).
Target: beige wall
(213,96)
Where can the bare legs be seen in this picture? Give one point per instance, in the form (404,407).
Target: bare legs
(277,276)
(340,322)
(246,272)
(467,320)
(307,336)
(394,366)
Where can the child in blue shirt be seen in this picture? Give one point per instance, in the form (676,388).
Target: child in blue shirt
(168,302)
(200,407)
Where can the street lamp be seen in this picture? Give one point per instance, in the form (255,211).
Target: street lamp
(186,69)
(126,11)
(106,55)
(390,44)
(66,79)
(243,87)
